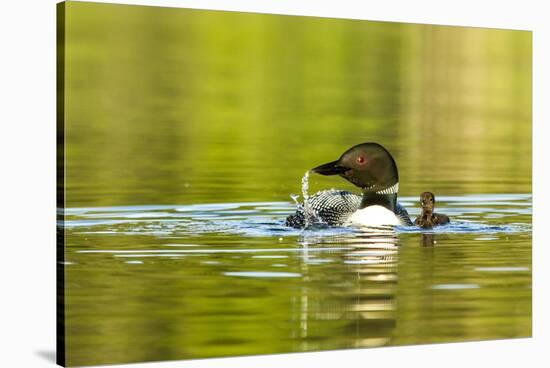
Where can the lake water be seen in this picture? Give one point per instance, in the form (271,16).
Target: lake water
(190,281)
(186,133)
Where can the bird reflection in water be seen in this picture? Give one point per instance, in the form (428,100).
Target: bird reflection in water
(428,239)
(361,301)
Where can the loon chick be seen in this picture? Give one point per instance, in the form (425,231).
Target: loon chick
(370,167)
(428,218)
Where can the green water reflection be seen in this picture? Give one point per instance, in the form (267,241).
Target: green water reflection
(173,106)
(181,106)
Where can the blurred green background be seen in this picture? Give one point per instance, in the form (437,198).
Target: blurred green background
(186,106)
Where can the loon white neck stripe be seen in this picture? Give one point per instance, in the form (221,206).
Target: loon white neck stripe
(391,190)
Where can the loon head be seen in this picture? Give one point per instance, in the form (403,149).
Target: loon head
(368,166)
(427,201)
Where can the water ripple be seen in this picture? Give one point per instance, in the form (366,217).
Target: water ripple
(478,214)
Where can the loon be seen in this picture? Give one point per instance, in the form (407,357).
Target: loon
(370,167)
(428,218)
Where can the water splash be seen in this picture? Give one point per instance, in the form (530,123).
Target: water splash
(295,198)
(308,211)
(310,216)
(305,185)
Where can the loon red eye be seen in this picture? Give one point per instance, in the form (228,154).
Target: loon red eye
(361,160)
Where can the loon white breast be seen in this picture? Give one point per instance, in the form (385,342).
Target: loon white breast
(374,216)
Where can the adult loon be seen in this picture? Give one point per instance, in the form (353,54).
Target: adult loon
(428,218)
(370,167)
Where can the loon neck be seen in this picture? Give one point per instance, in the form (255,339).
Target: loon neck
(385,200)
(385,197)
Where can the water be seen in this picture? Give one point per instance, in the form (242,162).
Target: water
(209,275)
(186,132)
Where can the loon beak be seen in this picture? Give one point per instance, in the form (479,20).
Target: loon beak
(331,168)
